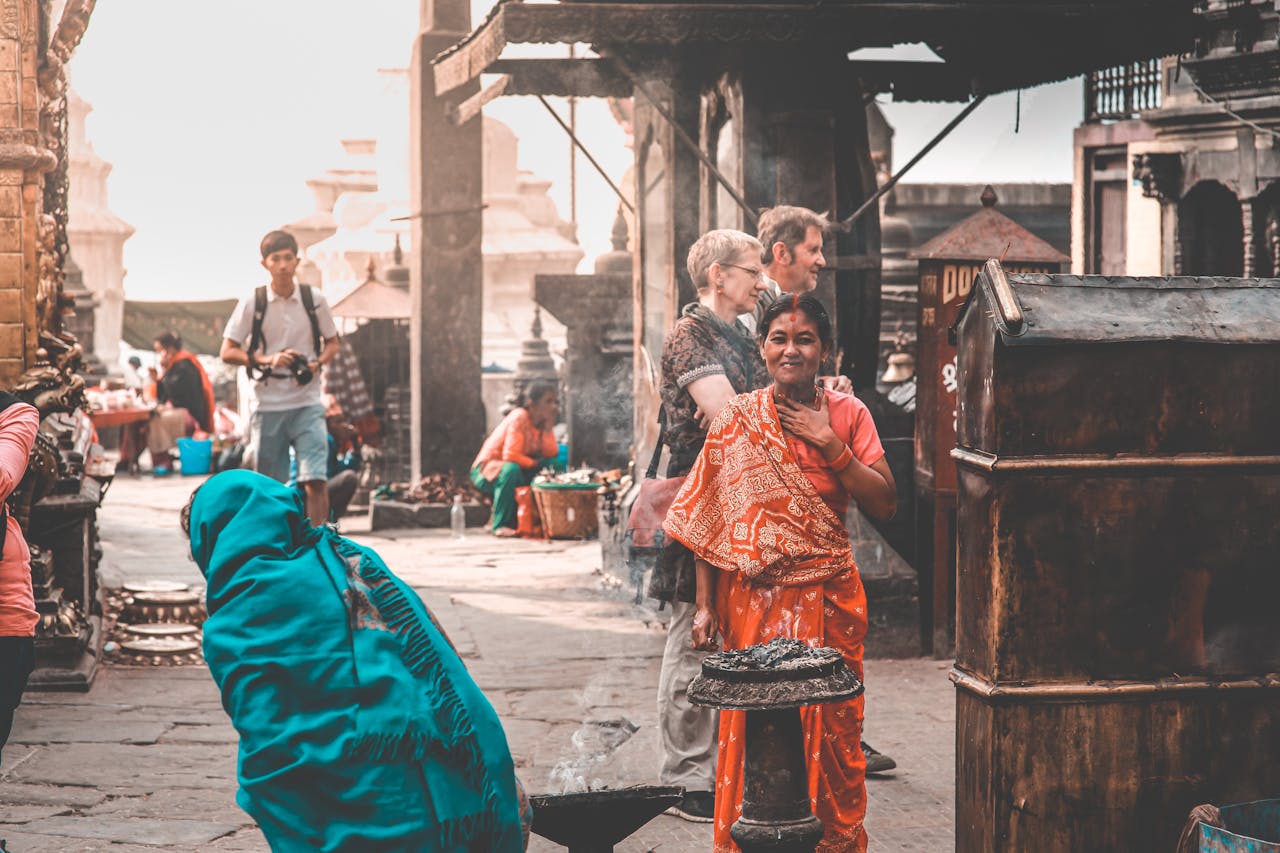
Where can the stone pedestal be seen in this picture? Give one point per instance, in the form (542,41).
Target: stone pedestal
(596,311)
(386,515)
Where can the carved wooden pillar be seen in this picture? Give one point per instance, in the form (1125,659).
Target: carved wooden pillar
(1170,253)
(446,284)
(802,146)
(1246,221)
(667,224)
(22,164)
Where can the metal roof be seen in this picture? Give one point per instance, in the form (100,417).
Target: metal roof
(199,323)
(989,234)
(374,300)
(1068,309)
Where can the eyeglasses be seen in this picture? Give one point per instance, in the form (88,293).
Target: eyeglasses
(757,274)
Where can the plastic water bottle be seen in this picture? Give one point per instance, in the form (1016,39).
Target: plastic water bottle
(458,518)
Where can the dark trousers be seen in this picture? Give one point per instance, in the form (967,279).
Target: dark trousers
(17,659)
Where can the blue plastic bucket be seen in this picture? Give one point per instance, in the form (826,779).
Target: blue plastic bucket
(195,455)
(1250,828)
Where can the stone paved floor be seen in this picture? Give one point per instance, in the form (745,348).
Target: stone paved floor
(145,761)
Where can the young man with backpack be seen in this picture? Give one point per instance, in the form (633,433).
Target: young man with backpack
(282,335)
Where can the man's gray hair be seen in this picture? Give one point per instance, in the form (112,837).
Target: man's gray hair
(722,246)
(788,225)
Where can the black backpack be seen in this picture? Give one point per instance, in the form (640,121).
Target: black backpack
(260,309)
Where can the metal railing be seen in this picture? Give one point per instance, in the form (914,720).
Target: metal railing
(1122,91)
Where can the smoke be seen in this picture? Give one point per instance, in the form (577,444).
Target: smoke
(605,403)
(590,746)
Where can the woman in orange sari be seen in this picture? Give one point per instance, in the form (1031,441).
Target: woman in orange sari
(763,512)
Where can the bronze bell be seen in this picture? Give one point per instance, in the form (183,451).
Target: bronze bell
(902,366)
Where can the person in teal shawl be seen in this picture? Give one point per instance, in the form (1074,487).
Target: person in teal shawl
(360,728)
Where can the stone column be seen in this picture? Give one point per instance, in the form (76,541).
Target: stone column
(446,284)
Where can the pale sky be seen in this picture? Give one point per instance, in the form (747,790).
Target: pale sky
(214,116)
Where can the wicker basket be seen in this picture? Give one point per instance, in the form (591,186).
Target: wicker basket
(568,511)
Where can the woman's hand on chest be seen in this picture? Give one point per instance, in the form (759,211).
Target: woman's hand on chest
(809,423)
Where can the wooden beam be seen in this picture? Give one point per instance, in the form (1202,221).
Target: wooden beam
(583,78)
(470,108)
(775,25)
(914,81)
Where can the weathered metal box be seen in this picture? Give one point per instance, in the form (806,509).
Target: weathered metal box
(1117,638)
(949,264)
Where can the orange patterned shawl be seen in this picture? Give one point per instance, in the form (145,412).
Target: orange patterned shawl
(746,506)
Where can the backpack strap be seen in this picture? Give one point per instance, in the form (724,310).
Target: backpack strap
(308,302)
(255,338)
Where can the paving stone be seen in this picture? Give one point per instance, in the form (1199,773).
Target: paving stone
(186,689)
(222,732)
(15,755)
(523,736)
(11,813)
(108,730)
(132,768)
(21,841)
(247,840)
(12,793)
(156,833)
(573,674)
(217,806)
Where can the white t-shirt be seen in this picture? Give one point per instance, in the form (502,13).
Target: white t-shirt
(285,325)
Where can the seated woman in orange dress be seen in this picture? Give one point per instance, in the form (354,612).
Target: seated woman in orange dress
(763,512)
(513,454)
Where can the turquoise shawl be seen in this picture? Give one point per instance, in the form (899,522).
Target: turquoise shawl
(360,729)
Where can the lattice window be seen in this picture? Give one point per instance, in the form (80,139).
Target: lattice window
(1123,91)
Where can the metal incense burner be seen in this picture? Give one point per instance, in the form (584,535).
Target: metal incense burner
(594,821)
(771,682)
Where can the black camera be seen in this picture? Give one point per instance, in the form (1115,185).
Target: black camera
(301,372)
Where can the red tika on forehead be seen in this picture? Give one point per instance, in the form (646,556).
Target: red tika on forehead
(795,303)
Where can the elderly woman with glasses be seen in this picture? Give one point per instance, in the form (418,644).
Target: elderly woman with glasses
(708,358)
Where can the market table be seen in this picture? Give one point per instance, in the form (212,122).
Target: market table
(104,418)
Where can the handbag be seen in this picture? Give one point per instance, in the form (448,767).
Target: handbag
(645,538)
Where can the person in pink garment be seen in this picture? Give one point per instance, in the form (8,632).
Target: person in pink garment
(19,423)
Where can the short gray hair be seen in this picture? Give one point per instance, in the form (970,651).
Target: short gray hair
(789,225)
(722,246)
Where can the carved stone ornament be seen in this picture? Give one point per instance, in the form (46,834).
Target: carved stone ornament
(1159,174)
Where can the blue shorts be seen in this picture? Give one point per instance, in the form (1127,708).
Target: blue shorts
(271,434)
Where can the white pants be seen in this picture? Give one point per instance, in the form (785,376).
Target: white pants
(688,732)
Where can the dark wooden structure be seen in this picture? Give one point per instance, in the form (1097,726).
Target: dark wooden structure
(62,530)
(949,264)
(742,106)
(1117,645)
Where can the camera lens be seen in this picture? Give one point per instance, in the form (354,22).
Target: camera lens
(301,373)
